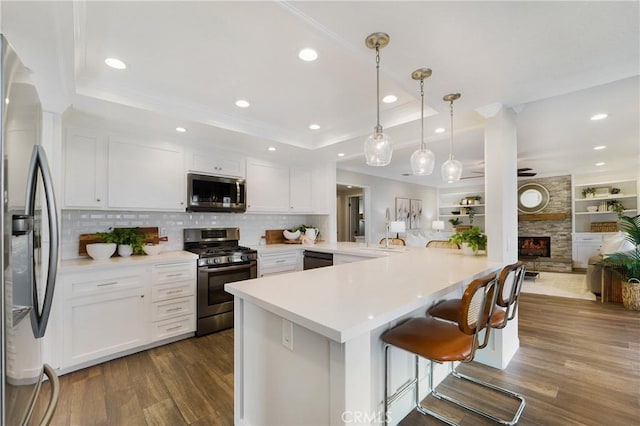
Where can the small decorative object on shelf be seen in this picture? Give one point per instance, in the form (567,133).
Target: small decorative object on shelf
(454,221)
(615,191)
(616,207)
(589,192)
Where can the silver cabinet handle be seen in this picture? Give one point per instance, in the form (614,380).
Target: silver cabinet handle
(98,199)
(174,309)
(106,284)
(175,291)
(174,328)
(173,275)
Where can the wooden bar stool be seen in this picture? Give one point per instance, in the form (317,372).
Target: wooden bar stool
(441,341)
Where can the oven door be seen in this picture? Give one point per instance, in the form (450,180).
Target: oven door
(212,299)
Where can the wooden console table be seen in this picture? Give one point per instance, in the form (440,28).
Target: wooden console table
(610,286)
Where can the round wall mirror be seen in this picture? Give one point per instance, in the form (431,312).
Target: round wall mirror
(532,198)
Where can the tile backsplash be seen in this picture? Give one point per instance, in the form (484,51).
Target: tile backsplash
(252,226)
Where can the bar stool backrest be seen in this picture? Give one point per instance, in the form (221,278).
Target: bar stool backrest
(477,304)
(510,284)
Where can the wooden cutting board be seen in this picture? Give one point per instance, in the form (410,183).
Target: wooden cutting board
(274,236)
(150,235)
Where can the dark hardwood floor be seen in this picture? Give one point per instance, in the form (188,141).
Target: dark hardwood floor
(578,364)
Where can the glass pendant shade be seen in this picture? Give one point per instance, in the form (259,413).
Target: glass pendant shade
(378,149)
(422,162)
(451,170)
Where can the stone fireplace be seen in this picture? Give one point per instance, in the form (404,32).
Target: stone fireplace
(553,223)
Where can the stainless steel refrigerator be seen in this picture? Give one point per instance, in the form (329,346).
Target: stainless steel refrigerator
(29,249)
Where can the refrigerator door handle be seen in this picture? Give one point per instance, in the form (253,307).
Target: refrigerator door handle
(39,163)
(48,371)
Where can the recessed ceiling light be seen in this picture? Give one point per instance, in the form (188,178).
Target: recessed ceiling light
(181,129)
(599,147)
(341,154)
(389,99)
(600,116)
(440,130)
(271,148)
(115,63)
(242,103)
(314,126)
(600,164)
(308,54)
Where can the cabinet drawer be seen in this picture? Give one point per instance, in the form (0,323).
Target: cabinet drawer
(172,308)
(173,327)
(172,290)
(172,272)
(82,285)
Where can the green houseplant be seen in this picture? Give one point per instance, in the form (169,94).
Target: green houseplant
(588,192)
(616,206)
(129,240)
(627,264)
(473,238)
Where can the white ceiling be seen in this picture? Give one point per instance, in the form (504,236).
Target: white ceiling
(556,63)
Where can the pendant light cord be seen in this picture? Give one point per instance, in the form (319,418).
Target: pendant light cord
(422,145)
(451,138)
(378,127)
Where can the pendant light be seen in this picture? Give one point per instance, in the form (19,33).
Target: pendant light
(377,146)
(451,169)
(422,160)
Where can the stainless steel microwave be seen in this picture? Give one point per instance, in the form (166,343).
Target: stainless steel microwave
(216,194)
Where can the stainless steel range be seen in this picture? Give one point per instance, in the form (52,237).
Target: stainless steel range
(220,260)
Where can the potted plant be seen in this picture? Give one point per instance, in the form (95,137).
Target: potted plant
(104,248)
(589,192)
(454,221)
(470,240)
(471,213)
(627,264)
(616,206)
(129,241)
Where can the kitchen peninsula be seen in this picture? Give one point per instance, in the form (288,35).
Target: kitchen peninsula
(307,347)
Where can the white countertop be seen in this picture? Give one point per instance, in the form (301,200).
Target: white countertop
(345,301)
(353,249)
(87,263)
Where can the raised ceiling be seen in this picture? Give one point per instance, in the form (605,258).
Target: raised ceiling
(556,63)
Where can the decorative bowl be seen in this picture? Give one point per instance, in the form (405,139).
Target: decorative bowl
(456,212)
(291,235)
(101,251)
(152,249)
(592,209)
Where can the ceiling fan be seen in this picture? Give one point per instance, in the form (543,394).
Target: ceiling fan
(523,172)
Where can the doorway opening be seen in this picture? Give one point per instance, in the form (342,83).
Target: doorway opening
(351,213)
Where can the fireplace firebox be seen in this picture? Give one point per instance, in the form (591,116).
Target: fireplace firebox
(534,246)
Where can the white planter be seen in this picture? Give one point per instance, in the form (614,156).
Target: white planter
(468,251)
(311,233)
(124,250)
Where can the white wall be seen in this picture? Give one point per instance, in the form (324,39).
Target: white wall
(383,195)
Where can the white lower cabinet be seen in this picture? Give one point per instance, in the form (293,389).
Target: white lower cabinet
(120,309)
(586,245)
(103,314)
(281,262)
(173,299)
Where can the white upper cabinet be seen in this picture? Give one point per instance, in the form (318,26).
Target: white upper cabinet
(145,176)
(85,169)
(267,187)
(300,190)
(216,162)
